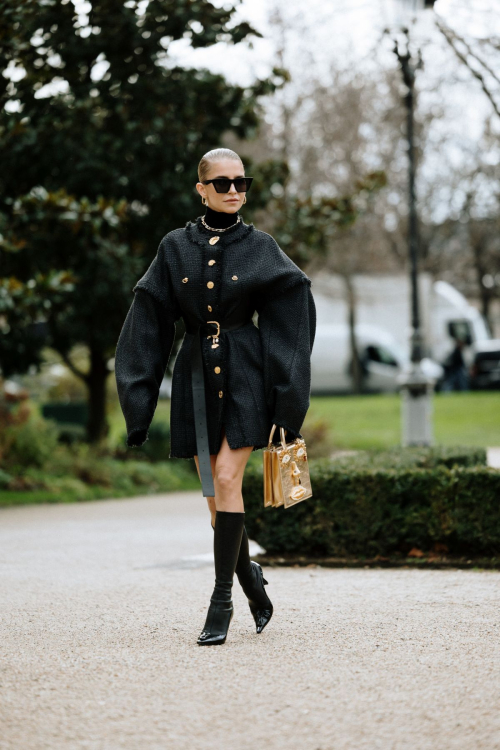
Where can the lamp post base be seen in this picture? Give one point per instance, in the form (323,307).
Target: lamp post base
(416,407)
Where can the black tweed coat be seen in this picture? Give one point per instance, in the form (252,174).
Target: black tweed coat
(257,376)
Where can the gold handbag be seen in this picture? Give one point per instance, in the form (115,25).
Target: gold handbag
(286,472)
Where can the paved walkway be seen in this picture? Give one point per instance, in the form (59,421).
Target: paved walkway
(102,604)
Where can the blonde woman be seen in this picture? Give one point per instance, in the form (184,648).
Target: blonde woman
(232,379)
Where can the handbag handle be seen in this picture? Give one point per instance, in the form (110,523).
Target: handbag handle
(282,435)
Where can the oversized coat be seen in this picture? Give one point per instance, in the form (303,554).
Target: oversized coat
(257,376)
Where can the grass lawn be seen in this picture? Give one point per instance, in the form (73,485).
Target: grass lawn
(364,422)
(354,422)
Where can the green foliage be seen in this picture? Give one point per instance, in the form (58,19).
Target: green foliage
(71,291)
(310,224)
(30,443)
(418,457)
(157,446)
(126,121)
(81,472)
(96,170)
(362,508)
(5,479)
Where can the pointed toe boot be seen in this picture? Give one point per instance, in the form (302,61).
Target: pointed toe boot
(252,581)
(260,604)
(227,540)
(219,617)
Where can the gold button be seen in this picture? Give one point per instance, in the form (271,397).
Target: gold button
(209,307)
(184,281)
(234,278)
(210,284)
(213,240)
(211,262)
(217,370)
(220,394)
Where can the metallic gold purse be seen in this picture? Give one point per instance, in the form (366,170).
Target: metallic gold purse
(286,472)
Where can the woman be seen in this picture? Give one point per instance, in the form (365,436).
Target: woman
(232,380)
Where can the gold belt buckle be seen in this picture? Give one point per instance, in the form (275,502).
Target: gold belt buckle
(215,336)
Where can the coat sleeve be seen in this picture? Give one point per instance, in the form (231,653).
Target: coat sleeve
(287,327)
(144,348)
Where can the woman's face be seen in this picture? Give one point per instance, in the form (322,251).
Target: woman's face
(227,202)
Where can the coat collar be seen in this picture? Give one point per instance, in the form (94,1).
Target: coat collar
(198,233)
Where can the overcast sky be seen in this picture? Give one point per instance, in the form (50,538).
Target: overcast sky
(349,35)
(332,30)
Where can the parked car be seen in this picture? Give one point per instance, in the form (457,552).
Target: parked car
(383,360)
(485,369)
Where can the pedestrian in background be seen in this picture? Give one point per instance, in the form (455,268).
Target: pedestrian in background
(232,380)
(456,376)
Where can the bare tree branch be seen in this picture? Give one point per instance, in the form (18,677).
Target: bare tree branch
(452,38)
(65,358)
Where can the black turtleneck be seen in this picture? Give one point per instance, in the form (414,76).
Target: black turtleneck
(220,219)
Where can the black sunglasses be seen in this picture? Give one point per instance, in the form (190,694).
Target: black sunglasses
(223,184)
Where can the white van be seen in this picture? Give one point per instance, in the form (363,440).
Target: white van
(383,318)
(382,360)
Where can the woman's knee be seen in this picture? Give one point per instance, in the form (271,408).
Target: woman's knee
(227,479)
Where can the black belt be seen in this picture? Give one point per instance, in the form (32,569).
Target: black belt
(198,390)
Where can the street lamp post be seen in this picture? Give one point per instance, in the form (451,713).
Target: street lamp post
(416,388)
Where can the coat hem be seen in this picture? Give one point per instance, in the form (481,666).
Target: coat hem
(257,445)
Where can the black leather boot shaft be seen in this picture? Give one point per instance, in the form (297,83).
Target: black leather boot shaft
(244,569)
(227,541)
(252,582)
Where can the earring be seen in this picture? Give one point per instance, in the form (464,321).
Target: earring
(203,200)
(245,200)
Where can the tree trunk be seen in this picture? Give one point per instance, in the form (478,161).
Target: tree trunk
(97,425)
(356,371)
(480,265)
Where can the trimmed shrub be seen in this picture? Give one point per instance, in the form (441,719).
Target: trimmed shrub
(359,508)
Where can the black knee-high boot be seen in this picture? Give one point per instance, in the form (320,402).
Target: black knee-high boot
(227,541)
(252,581)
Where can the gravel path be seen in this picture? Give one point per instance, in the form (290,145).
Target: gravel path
(102,604)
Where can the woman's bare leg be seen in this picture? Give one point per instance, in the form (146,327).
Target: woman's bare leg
(228,467)
(210,499)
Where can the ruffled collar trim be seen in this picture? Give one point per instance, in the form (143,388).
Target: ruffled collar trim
(198,233)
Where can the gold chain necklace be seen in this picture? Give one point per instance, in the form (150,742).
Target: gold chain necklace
(212,229)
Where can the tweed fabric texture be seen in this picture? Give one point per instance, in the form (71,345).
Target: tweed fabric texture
(258,375)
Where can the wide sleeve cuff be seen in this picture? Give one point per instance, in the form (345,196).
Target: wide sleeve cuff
(287,327)
(141,358)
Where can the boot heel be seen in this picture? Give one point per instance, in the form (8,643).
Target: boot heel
(262,611)
(261,574)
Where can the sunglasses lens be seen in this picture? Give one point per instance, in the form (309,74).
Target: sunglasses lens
(223,185)
(242,184)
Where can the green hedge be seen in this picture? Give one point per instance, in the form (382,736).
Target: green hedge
(384,503)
